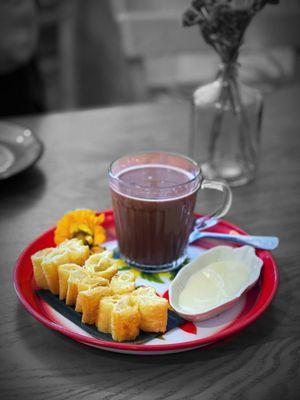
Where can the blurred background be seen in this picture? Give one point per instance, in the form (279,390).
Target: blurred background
(61,55)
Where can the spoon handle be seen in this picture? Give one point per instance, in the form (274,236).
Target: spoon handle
(205,223)
(261,242)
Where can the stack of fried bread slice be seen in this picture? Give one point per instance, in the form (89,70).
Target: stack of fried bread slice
(103,264)
(119,316)
(46,262)
(104,295)
(153,309)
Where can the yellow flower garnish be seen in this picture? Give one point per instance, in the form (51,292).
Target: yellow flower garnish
(81,224)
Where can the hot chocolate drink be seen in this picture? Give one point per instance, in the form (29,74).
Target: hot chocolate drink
(153,227)
(154,196)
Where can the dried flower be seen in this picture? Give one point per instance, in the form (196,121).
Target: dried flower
(81,224)
(223,22)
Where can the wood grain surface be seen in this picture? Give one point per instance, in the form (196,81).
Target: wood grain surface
(262,362)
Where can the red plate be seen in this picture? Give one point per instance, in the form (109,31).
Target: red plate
(188,336)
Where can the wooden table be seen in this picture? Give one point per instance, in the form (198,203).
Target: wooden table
(262,362)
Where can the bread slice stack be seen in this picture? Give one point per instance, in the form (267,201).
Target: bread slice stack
(96,288)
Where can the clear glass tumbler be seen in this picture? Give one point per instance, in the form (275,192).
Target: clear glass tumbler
(153,197)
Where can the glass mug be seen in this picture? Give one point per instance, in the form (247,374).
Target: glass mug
(154,196)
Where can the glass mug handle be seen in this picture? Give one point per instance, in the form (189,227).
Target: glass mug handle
(227,198)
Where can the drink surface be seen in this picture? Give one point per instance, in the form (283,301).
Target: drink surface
(157,177)
(154,231)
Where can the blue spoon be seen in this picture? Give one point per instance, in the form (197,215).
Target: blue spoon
(261,242)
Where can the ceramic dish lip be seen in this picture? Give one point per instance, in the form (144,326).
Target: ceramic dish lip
(232,329)
(38,154)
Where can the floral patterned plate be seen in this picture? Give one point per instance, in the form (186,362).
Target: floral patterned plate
(186,337)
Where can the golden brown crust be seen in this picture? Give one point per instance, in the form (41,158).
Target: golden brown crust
(89,302)
(153,309)
(50,265)
(123,282)
(64,271)
(39,275)
(77,251)
(154,314)
(89,282)
(102,264)
(125,320)
(103,320)
(72,291)
(46,262)
(144,291)
(119,316)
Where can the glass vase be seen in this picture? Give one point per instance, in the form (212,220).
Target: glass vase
(225,127)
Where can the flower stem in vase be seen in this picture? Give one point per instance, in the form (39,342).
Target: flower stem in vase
(247,147)
(217,121)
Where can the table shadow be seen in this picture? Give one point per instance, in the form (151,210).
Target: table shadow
(27,187)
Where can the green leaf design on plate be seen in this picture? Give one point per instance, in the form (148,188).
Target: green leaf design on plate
(185,262)
(151,277)
(172,275)
(125,268)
